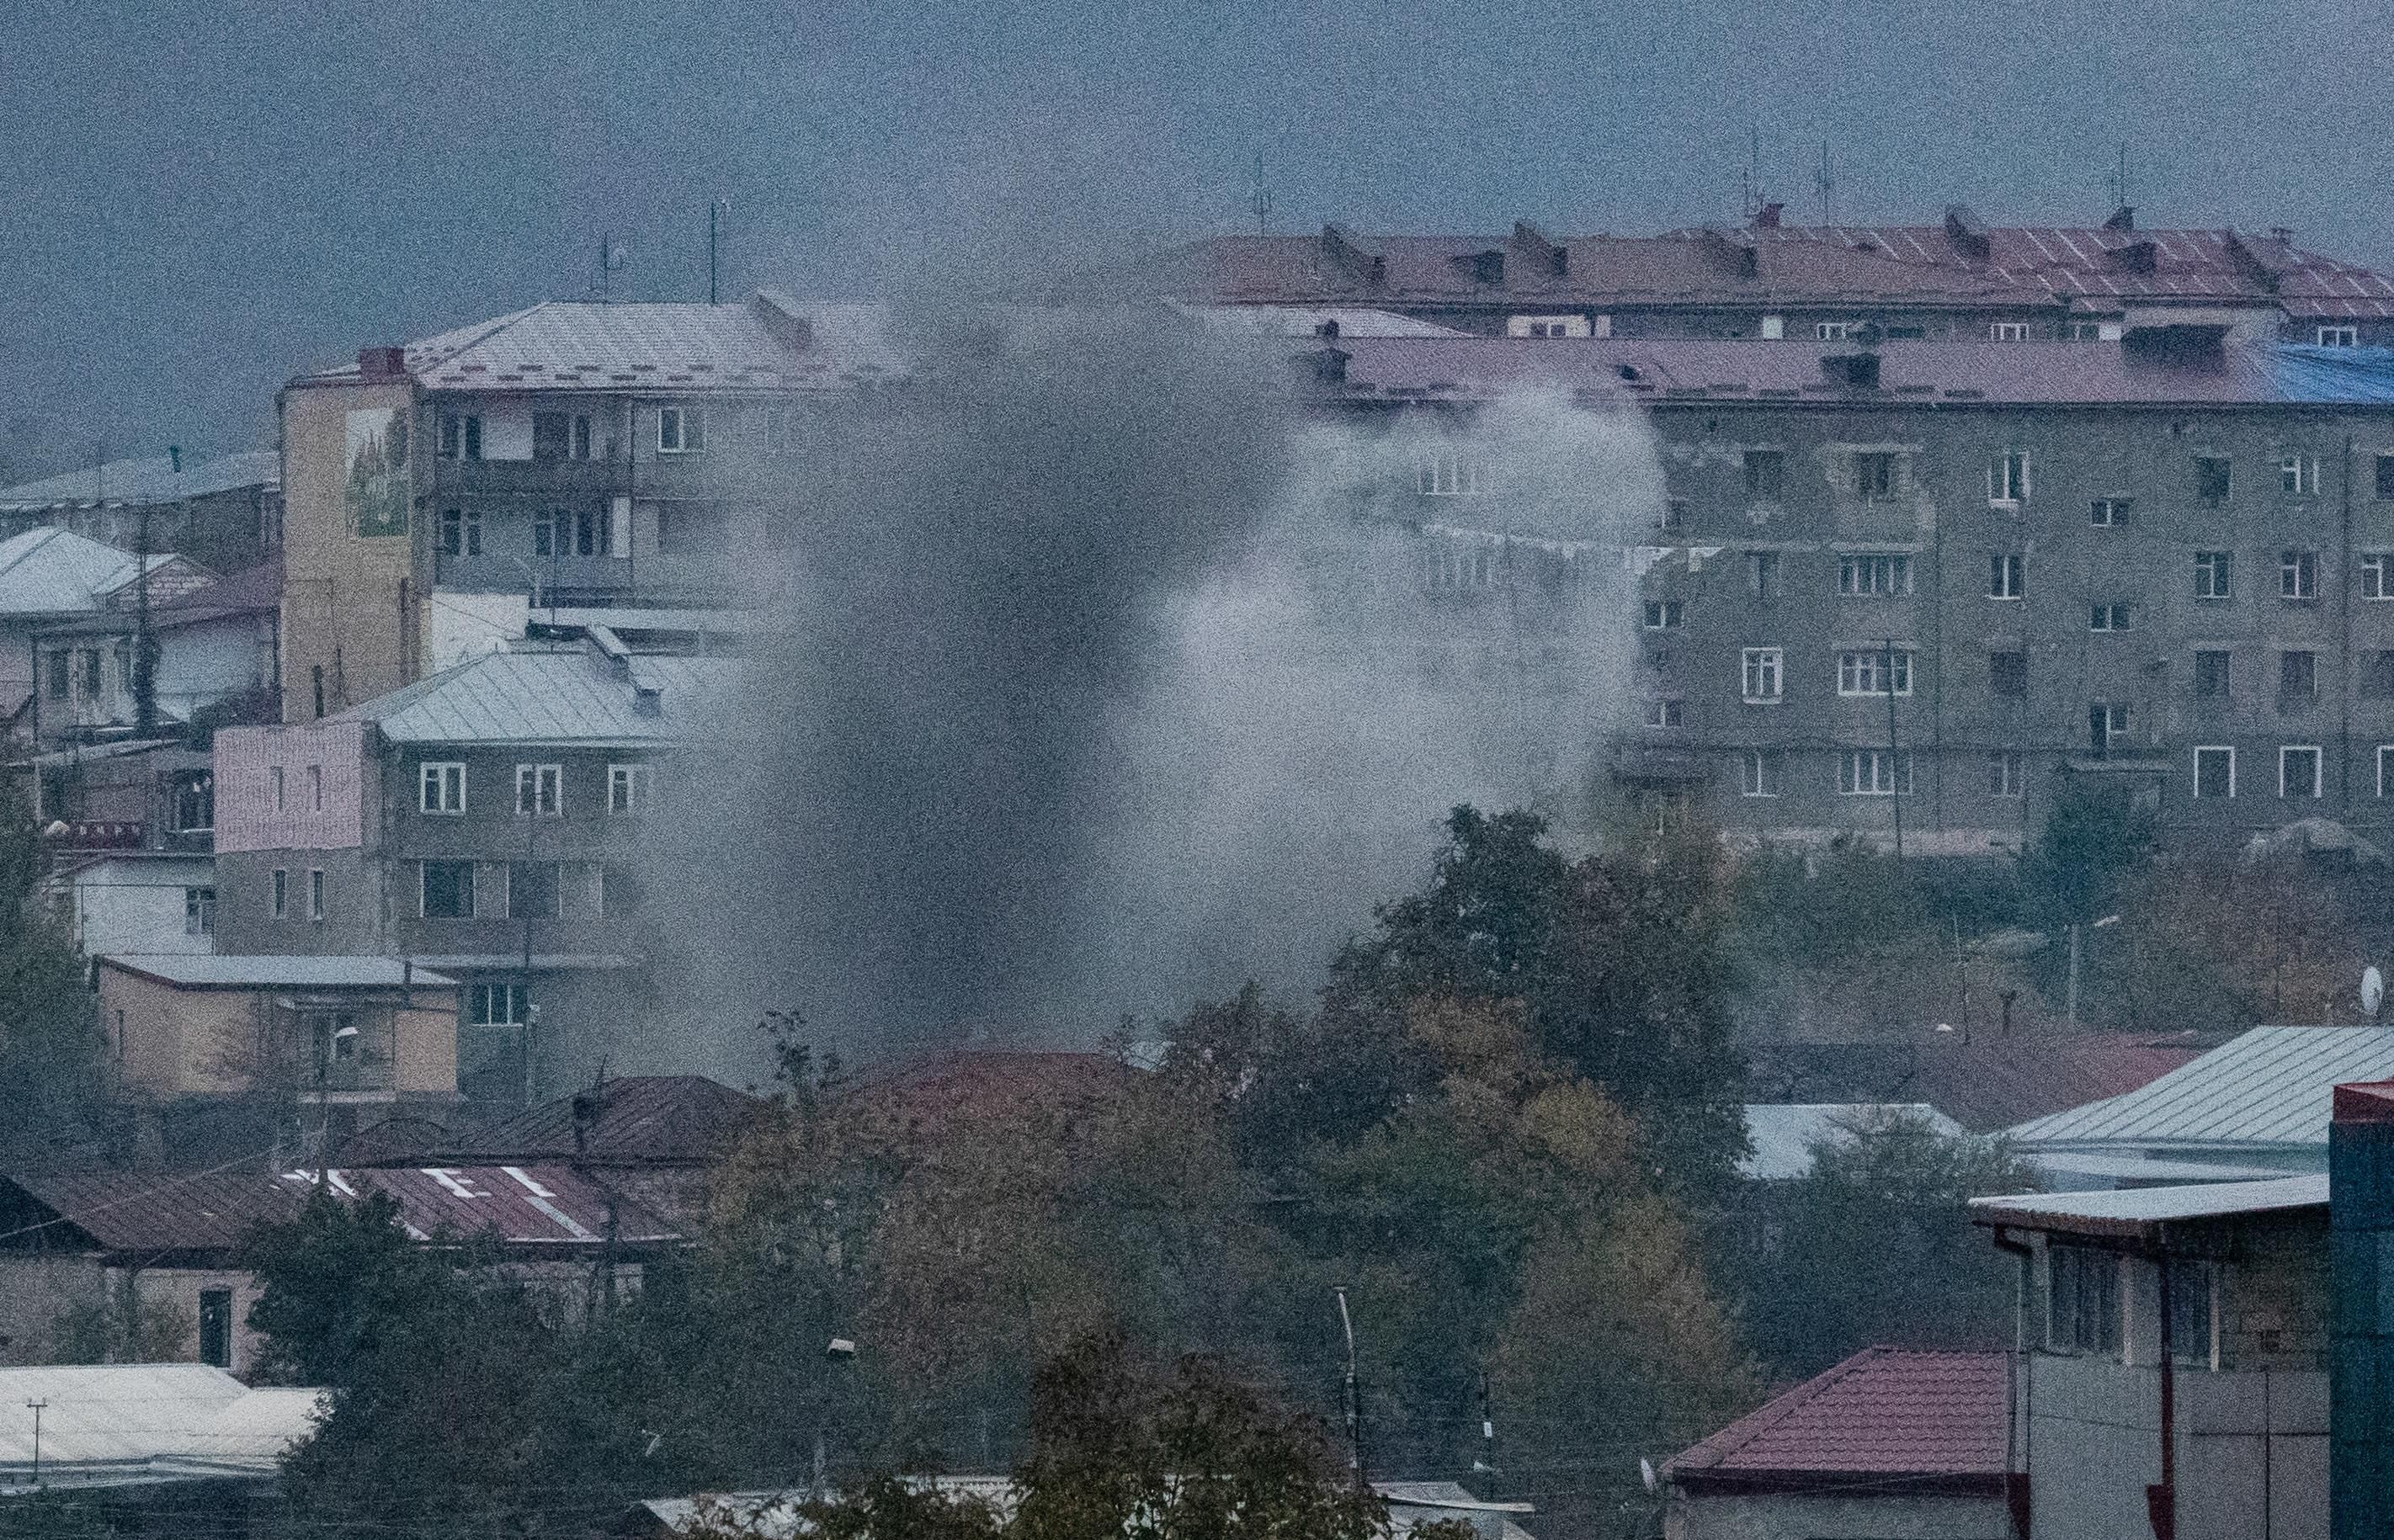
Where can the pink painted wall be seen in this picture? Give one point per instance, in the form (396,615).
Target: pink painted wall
(246,759)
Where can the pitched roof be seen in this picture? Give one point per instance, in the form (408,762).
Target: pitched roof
(134,482)
(1885,1412)
(565,695)
(1782,1135)
(52,571)
(218,971)
(2140,1210)
(2270,1087)
(116,1423)
(635,1119)
(1985,1085)
(765,343)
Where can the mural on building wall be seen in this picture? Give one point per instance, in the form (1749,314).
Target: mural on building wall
(378,484)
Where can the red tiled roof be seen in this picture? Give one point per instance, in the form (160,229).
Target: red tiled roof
(1883,1411)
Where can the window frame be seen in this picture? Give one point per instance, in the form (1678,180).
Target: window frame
(2299,474)
(2227,674)
(2107,619)
(2007,331)
(633,779)
(1759,666)
(1896,762)
(434,803)
(1758,774)
(2007,480)
(200,909)
(1879,484)
(1859,574)
(546,783)
(2006,576)
(424,889)
(316,895)
(2215,574)
(2298,575)
(2319,770)
(1666,713)
(2376,575)
(2006,774)
(2383,751)
(2109,513)
(2335,336)
(1895,661)
(2200,750)
(278,894)
(689,435)
(1665,615)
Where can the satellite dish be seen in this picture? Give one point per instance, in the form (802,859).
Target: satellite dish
(2372,991)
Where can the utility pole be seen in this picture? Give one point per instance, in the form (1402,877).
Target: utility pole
(36,1408)
(715,212)
(532,847)
(1262,201)
(1894,760)
(1354,1397)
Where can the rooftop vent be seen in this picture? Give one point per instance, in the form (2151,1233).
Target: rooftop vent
(647,700)
(1854,371)
(2122,218)
(1353,257)
(2136,257)
(1767,217)
(382,363)
(1968,234)
(1486,267)
(1539,254)
(1328,328)
(1329,364)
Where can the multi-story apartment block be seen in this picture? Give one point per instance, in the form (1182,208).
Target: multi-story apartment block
(224,514)
(1911,587)
(1960,280)
(487,822)
(570,454)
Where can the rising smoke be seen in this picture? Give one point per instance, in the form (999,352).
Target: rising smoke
(1104,679)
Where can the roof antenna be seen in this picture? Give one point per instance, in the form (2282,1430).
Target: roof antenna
(610,262)
(1749,181)
(716,213)
(1826,184)
(1262,201)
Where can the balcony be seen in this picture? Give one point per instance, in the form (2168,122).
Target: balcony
(530,478)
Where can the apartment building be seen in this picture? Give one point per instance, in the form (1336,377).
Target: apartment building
(485,822)
(1910,589)
(224,514)
(1957,280)
(570,455)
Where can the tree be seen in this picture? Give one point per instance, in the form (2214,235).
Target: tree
(2095,837)
(338,1283)
(50,1048)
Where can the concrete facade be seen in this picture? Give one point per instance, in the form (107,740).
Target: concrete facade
(1882,1515)
(138,902)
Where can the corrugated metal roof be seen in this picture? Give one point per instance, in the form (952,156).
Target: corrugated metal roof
(217,971)
(52,571)
(1985,1085)
(1305,320)
(124,1422)
(1782,1135)
(562,695)
(180,1211)
(635,1119)
(134,482)
(2136,1209)
(1883,1411)
(2271,1086)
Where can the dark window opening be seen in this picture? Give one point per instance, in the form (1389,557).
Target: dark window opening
(448,890)
(2210,674)
(2007,673)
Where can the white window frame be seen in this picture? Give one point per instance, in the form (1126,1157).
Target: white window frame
(1763,675)
(1666,713)
(200,910)
(2298,575)
(2383,749)
(2110,618)
(2006,576)
(315,789)
(1890,773)
(2119,722)
(478,1004)
(688,434)
(1892,459)
(2215,574)
(2319,769)
(540,790)
(440,789)
(2109,513)
(274,786)
(629,788)
(1859,669)
(2006,774)
(1667,615)
(2299,474)
(2008,478)
(1832,330)
(2007,331)
(2203,749)
(1860,574)
(2376,575)
(316,893)
(2336,336)
(1451,472)
(1757,772)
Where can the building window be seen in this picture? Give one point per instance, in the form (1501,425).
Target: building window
(2339,336)
(198,911)
(540,789)
(279,899)
(461,532)
(315,789)
(448,890)
(2299,474)
(561,436)
(2210,674)
(2191,1316)
(1757,772)
(627,789)
(274,786)
(1875,474)
(1832,330)
(2385,763)
(1766,474)
(681,430)
(496,1005)
(55,675)
(2376,567)
(461,436)
(2298,770)
(215,1327)
(2298,677)
(2110,618)
(1449,569)
(2211,478)
(2088,330)
(1665,711)
(531,890)
(2082,1300)
(315,893)
(1874,671)
(2378,676)
(195,804)
(573,532)
(2006,576)
(1762,574)
(440,787)
(1665,615)
(2298,575)
(2212,573)
(1873,575)
(2214,770)
(2109,725)
(1446,473)
(2385,477)
(2007,331)
(2006,774)
(88,673)
(2007,675)
(1763,676)
(1874,773)
(2007,477)
(1773,328)
(2108,513)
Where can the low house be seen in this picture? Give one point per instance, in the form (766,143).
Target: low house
(214,651)
(1886,1445)
(2172,1372)
(164,1248)
(2257,1106)
(135,901)
(148,1448)
(366,1035)
(226,512)
(49,576)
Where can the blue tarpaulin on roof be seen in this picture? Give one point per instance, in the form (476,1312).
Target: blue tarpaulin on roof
(2331,374)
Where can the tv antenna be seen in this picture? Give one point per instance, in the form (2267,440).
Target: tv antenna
(1262,201)
(717,215)
(1825,183)
(1749,181)
(2117,180)
(610,262)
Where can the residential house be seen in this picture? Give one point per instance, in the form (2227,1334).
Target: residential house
(49,576)
(1956,279)
(588,455)
(485,822)
(172,1242)
(1922,588)
(1986,1086)
(224,514)
(2171,1376)
(215,660)
(135,901)
(1887,1445)
(354,1039)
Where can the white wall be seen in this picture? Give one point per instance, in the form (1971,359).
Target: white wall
(137,905)
(459,626)
(506,431)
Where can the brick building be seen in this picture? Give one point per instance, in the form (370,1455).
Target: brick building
(1924,584)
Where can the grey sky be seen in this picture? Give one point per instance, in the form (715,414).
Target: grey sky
(198,201)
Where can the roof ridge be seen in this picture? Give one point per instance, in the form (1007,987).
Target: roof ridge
(1738,1435)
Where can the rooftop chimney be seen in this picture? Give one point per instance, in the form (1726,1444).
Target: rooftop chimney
(1854,371)
(1329,364)
(647,700)
(1968,234)
(2122,218)
(1352,256)
(382,363)
(1767,217)
(1732,251)
(1539,254)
